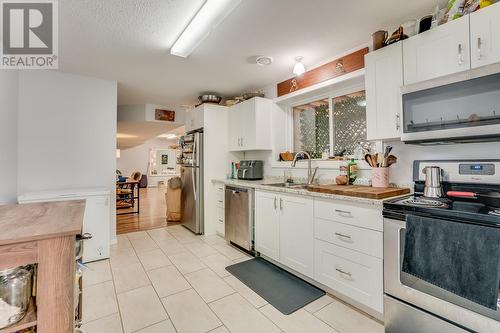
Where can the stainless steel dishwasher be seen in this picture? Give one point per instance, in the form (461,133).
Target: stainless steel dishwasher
(239,217)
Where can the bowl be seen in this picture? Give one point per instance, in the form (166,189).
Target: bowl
(210,98)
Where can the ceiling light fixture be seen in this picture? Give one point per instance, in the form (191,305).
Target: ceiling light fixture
(299,67)
(264,60)
(206,19)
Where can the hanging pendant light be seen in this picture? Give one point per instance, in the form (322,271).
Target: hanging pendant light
(299,67)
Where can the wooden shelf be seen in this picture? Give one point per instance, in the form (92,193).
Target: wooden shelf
(29,320)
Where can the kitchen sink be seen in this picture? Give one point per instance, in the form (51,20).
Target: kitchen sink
(289,185)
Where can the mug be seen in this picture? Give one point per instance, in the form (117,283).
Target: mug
(380,177)
(379,38)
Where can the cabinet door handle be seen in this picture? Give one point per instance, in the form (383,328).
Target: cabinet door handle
(275,203)
(281,203)
(242,141)
(398,123)
(479,44)
(343,272)
(221,221)
(339,235)
(460,55)
(342,212)
(220,201)
(239,144)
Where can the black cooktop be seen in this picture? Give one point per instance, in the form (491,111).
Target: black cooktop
(460,210)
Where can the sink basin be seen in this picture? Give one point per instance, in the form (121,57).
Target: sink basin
(288,185)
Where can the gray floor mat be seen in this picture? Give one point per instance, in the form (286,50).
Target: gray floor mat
(283,290)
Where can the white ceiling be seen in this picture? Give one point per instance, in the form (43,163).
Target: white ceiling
(128,41)
(131,134)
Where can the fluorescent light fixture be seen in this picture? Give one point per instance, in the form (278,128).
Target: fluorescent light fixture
(207,18)
(125,136)
(299,68)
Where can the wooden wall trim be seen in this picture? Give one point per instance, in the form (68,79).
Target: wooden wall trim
(338,67)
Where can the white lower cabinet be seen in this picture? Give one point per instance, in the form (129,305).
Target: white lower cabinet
(267,224)
(349,272)
(296,234)
(336,243)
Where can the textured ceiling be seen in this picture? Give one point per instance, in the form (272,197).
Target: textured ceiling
(128,41)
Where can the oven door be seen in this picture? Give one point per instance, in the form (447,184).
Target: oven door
(426,296)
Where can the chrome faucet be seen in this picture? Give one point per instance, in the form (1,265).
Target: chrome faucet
(310,175)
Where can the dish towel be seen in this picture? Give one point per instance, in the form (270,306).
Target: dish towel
(459,257)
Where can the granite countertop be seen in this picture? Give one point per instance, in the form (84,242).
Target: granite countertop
(260,185)
(36,221)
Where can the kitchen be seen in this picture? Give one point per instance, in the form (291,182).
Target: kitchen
(343,179)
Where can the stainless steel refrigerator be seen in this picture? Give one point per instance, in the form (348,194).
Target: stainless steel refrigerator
(192,181)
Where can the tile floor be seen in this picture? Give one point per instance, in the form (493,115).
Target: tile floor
(169,280)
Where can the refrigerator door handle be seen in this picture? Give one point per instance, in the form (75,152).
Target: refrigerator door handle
(194,182)
(195,153)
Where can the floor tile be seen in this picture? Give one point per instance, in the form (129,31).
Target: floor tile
(218,263)
(213,239)
(153,259)
(240,316)
(97,272)
(229,251)
(298,322)
(123,258)
(99,301)
(189,313)
(250,295)
(142,242)
(167,281)
(171,246)
(128,277)
(201,249)
(346,319)
(163,327)
(186,262)
(104,325)
(209,285)
(140,308)
(245,258)
(221,329)
(160,234)
(318,304)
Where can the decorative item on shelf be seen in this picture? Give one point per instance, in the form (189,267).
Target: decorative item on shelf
(396,36)
(379,38)
(209,98)
(286,156)
(425,23)
(410,28)
(253,94)
(164,115)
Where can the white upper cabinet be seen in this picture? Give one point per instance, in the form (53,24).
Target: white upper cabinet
(250,125)
(383,82)
(438,52)
(485,36)
(194,118)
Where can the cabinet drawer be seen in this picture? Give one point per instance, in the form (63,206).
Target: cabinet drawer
(351,273)
(219,196)
(220,214)
(355,214)
(359,239)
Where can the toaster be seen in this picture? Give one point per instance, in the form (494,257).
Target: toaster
(251,170)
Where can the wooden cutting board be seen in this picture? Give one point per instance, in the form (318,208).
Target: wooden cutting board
(367,192)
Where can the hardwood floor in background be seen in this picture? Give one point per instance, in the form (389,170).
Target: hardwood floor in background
(153,212)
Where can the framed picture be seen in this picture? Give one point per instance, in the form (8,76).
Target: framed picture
(165,115)
(164,159)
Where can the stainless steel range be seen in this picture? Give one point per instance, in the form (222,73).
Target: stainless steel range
(412,305)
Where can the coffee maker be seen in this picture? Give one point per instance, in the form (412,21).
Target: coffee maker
(433,188)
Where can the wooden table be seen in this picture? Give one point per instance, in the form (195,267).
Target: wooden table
(44,233)
(134,196)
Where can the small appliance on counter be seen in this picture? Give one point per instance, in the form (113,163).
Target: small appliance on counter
(251,170)
(432,187)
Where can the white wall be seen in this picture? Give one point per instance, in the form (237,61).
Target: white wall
(8,135)
(66,133)
(137,158)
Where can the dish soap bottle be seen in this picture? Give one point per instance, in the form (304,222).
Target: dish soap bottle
(352,171)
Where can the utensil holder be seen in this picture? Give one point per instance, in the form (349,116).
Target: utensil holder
(380,177)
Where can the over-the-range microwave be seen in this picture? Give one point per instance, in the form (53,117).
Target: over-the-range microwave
(464,107)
